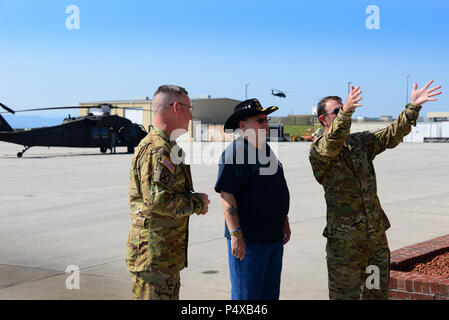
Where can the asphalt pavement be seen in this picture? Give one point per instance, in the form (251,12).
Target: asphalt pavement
(67,209)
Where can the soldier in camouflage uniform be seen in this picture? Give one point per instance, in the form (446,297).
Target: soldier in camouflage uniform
(162,200)
(356,224)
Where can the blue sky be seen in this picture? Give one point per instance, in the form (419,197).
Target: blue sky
(309,49)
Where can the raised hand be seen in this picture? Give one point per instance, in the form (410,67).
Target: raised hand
(421,96)
(352,102)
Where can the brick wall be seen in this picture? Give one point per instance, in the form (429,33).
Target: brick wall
(406,285)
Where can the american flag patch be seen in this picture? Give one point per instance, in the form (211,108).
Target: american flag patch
(167,163)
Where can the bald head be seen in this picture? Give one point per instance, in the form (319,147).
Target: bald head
(166,95)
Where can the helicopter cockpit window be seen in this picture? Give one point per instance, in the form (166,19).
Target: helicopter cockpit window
(96,134)
(100,133)
(104,132)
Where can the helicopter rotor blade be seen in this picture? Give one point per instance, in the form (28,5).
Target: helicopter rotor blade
(54,108)
(139,109)
(7,109)
(69,107)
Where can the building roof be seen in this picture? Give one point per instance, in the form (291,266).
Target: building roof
(437,114)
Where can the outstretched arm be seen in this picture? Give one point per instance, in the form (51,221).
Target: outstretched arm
(391,136)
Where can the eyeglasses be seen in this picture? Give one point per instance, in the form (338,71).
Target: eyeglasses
(262,121)
(186,105)
(335,111)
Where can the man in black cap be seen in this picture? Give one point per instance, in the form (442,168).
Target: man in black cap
(255,201)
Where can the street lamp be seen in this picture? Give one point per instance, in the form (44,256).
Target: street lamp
(246,91)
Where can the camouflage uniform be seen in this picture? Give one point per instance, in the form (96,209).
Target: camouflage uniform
(161,199)
(356,223)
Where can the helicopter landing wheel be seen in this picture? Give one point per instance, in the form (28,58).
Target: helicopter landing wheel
(103,150)
(20,154)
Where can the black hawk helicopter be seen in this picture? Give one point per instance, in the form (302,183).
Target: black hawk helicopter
(278,93)
(104,131)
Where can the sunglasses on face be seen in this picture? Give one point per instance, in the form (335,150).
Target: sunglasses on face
(335,111)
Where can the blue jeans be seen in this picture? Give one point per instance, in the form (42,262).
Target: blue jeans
(258,275)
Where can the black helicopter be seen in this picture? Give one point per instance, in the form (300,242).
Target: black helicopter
(278,93)
(104,131)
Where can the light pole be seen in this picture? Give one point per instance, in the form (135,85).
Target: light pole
(349,87)
(246,91)
(406,93)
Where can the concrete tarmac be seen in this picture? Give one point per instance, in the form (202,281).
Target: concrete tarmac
(63,207)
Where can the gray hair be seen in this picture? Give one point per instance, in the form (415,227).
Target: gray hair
(171,89)
(165,95)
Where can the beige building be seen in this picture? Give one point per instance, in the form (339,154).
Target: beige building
(213,111)
(143,116)
(208,111)
(294,119)
(368,126)
(438,116)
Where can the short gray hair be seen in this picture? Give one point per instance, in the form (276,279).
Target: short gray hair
(171,90)
(167,94)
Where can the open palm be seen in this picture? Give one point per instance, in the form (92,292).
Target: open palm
(421,96)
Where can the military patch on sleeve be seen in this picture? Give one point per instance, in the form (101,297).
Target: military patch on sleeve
(168,164)
(164,177)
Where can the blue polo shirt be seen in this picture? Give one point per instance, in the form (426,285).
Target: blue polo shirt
(256,179)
